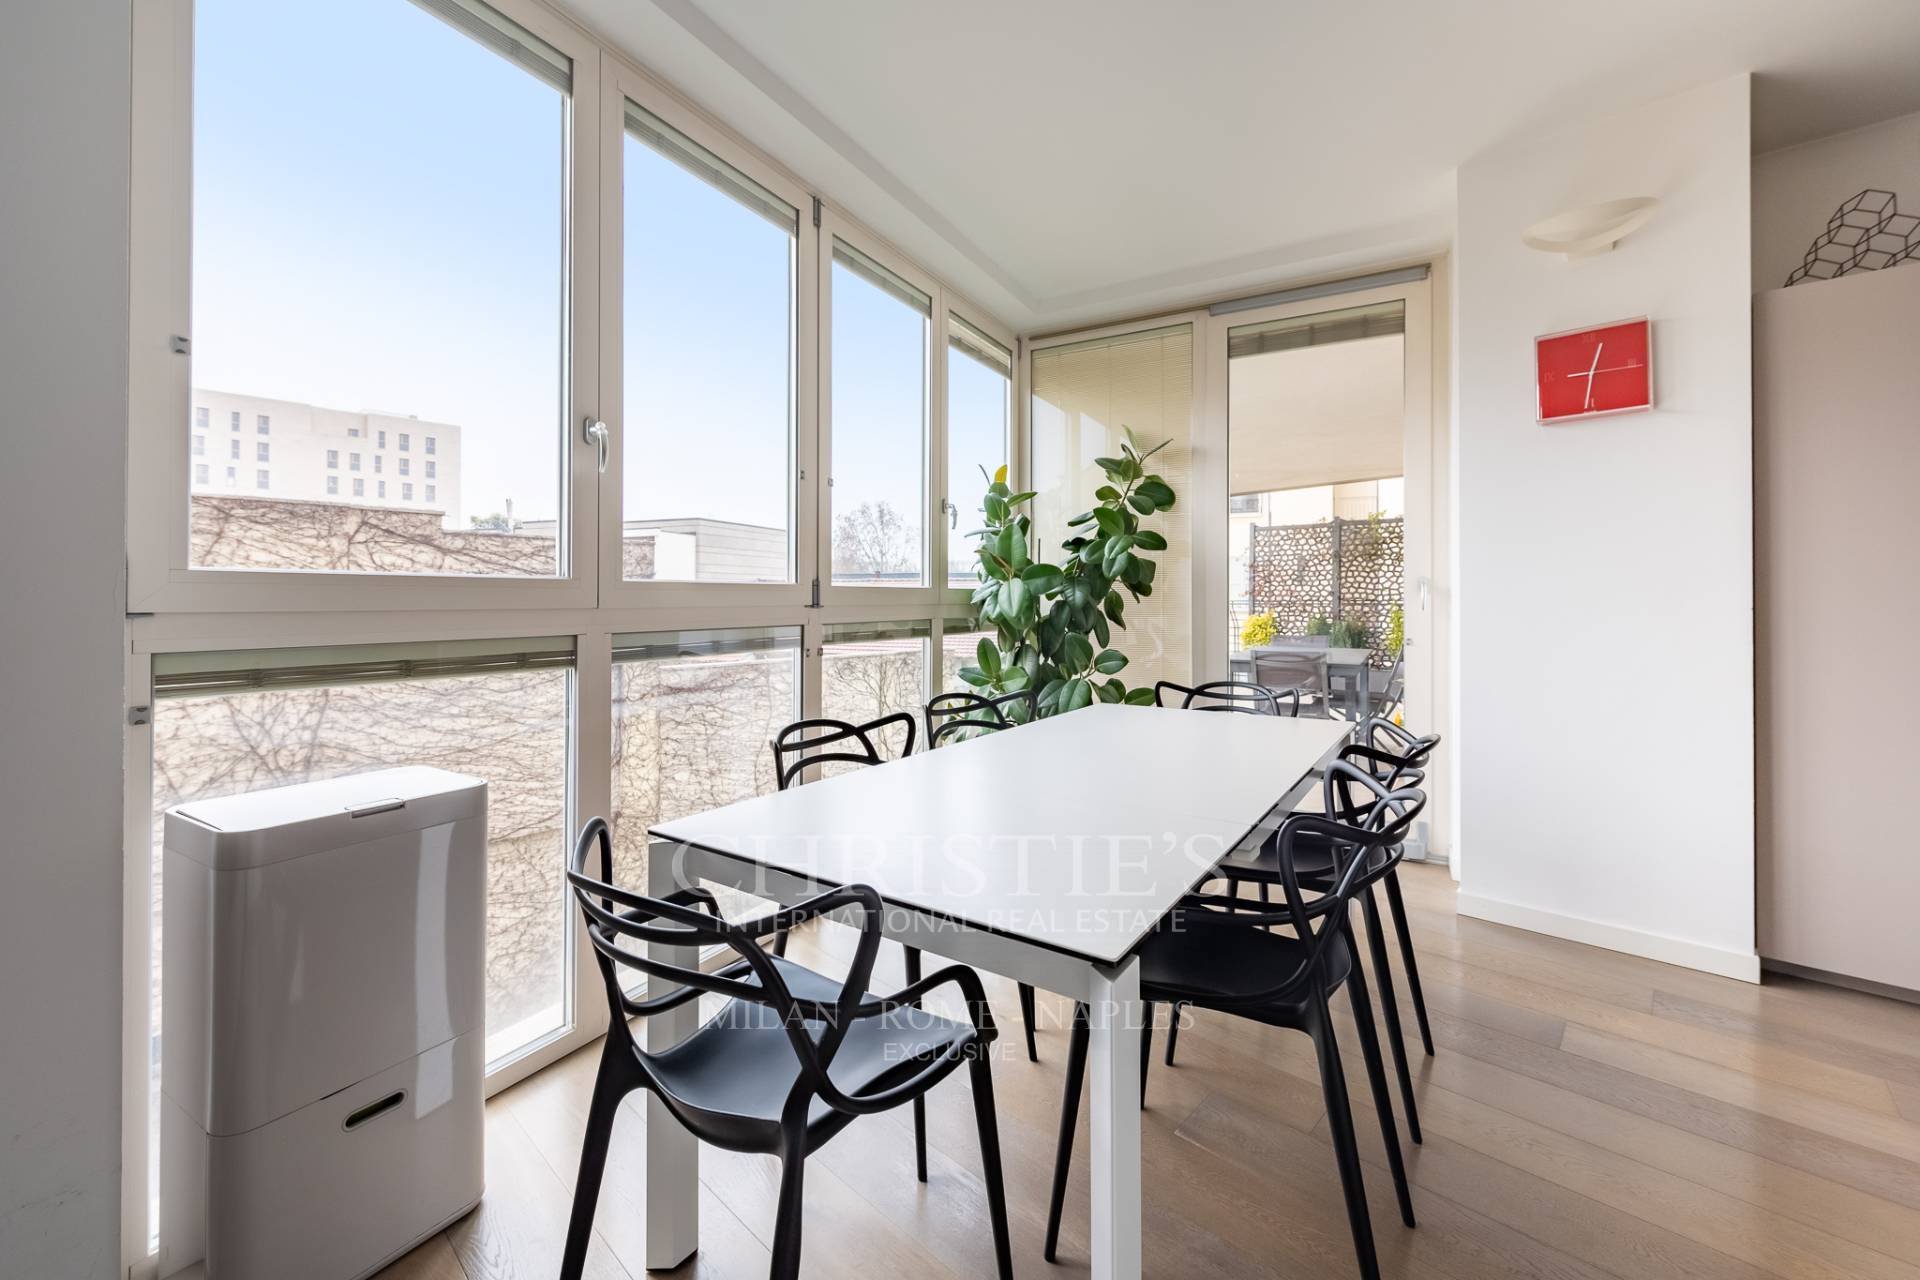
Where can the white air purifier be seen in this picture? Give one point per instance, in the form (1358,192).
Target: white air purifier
(322,1024)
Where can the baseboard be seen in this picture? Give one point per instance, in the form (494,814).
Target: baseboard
(1744,966)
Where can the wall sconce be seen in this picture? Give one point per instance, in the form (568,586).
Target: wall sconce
(1592,229)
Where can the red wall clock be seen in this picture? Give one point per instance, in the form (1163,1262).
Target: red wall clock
(1590,373)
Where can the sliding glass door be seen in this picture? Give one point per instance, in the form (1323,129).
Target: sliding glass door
(1317,508)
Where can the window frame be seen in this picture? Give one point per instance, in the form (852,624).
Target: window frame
(622,83)
(176,608)
(953,530)
(160,577)
(836,225)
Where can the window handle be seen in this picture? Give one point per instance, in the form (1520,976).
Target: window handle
(953,514)
(596,433)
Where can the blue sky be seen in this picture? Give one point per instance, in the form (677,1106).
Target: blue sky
(378,225)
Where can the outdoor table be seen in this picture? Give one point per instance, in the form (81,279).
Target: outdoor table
(1349,665)
(1044,853)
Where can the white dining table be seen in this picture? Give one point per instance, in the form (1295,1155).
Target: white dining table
(1045,854)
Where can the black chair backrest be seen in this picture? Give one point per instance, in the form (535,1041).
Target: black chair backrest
(691,919)
(798,747)
(1367,843)
(951,715)
(1230,695)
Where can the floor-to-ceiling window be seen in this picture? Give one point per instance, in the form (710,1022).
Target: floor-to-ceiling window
(453,329)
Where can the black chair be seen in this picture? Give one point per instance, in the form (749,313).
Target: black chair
(791,1058)
(956,716)
(1229,695)
(1316,862)
(960,715)
(1218,952)
(799,747)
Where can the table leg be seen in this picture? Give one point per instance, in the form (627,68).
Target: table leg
(673,1154)
(1113,1063)
(1363,695)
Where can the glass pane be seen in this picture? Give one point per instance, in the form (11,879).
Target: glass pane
(958,649)
(979,413)
(508,727)
(708,435)
(1315,428)
(379,273)
(1083,395)
(693,714)
(878,495)
(869,670)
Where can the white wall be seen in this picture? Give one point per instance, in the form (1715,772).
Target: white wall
(1605,598)
(1796,189)
(63,364)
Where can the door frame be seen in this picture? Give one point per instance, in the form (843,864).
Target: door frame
(1210,483)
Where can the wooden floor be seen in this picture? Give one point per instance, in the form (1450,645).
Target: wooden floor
(1588,1115)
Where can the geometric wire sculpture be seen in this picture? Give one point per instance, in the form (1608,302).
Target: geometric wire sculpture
(1866,233)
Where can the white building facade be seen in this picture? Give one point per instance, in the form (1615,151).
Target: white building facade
(252,445)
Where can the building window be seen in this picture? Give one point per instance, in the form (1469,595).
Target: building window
(406,493)
(333,484)
(233,476)
(233,420)
(259,479)
(1243,504)
(403,467)
(333,459)
(199,473)
(262,424)
(380,489)
(878,471)
(199,446)
(354,432)
(379,441)
(201,417)
(431,469)
(431,440)
(233,450)
(429,493)
(406,442)
(379,463)
(359,488)
(298,74)
(353,462)
(260,452)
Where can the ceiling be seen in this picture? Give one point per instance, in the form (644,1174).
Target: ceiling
(1077,159)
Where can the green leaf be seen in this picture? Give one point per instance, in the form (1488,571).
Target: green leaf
(1157,489)
(1109,520)
(974,675)
(1110,661)
(1049,697)
(1100,631)
(1077,695)
(1111,691)
(1081,519)
(1139,698)
(1107,493)
(1042,578)
(988,655)
(1142,503)
(1148,540)
(1076,651)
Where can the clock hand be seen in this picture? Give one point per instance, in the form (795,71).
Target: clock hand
(1598,347)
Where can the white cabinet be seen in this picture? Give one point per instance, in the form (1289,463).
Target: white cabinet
(322,1023)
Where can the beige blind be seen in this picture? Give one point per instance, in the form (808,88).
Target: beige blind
(1084,394)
